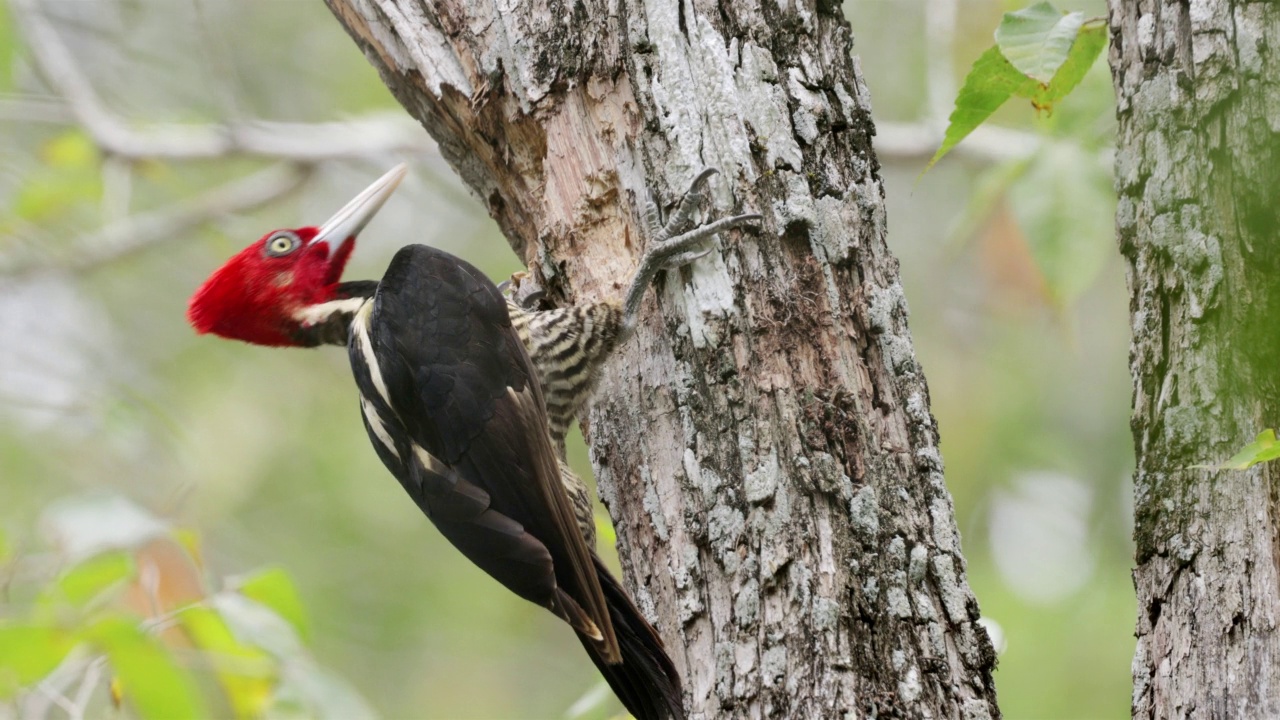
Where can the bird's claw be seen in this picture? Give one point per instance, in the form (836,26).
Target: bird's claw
(665,253)
(683,213)
(689,204)
(668,250)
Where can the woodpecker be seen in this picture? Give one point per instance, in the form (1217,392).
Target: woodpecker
(454,407)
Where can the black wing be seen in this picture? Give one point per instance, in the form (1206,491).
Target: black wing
(452,406)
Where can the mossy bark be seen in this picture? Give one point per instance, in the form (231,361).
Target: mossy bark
(763,442)
(1198,175)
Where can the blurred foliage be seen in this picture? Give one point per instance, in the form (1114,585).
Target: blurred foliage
(1064,202)
(70,174)
(1061,198)
(1019,318)
(118,612)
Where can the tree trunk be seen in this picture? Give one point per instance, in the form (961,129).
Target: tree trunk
(1198,175)
(764,442)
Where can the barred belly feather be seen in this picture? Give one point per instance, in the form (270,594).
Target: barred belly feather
(568,346)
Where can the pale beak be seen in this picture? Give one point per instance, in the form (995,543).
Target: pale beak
(351,219)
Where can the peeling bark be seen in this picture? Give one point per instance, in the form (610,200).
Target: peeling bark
(764,442)
(1198,175)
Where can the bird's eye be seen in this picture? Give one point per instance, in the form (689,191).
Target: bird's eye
(282,243)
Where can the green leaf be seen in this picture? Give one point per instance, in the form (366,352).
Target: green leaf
(149,677)
(274,588)
(1084,52)
(254,622)
(1040,54)
(1065,205)
(1263,448)
(84,582)
(990,82)
(246,673)
(1036,40)
(29,653)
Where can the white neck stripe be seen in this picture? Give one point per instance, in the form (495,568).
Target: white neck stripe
(317,314)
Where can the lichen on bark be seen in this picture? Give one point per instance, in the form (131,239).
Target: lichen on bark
(764,442)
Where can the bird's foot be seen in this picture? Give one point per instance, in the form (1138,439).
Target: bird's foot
(673,244)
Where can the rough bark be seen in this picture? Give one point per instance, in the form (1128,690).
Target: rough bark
(764,442)
(1198,174)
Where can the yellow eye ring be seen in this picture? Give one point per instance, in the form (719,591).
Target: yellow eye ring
(281,243)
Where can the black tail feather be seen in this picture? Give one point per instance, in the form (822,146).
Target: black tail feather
(646,680)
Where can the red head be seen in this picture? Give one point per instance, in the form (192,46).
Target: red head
(261,295)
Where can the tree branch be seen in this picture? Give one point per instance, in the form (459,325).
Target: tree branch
(921,140)
(310,142)
(141,231)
